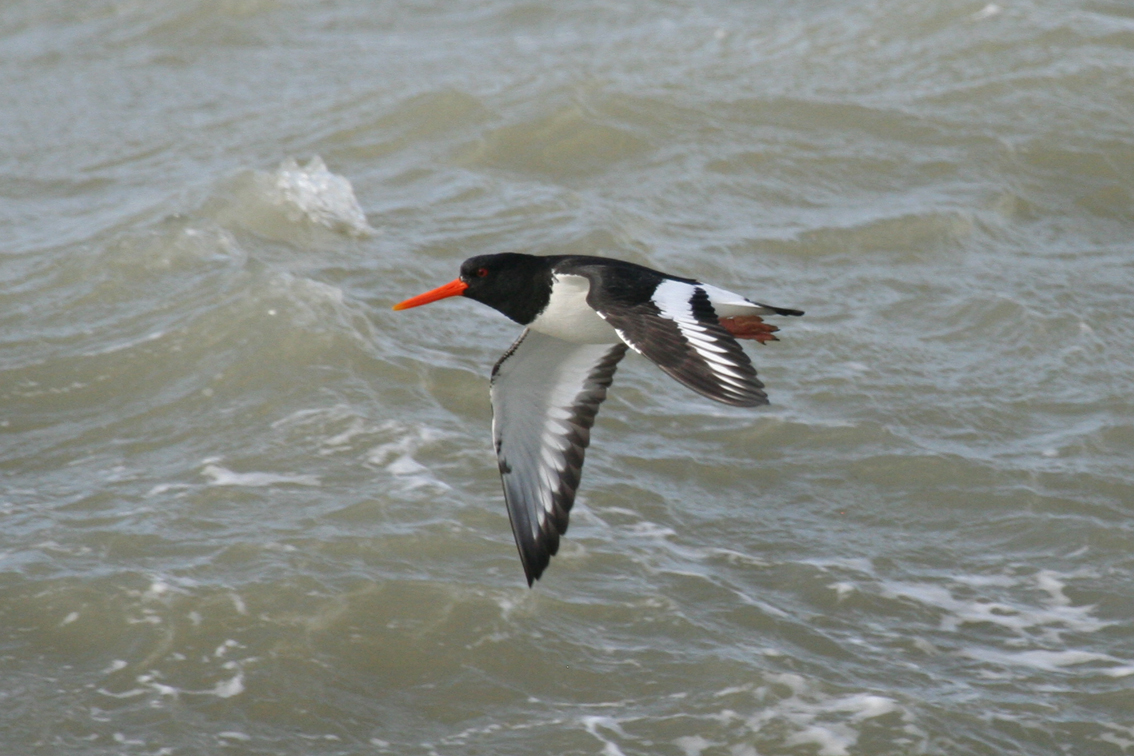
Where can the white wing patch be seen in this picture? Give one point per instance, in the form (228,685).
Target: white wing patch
(674,301)
(728,304)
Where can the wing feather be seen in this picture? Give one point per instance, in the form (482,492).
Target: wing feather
(678,329)
(545,395)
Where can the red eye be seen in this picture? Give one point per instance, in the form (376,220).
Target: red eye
(481,272)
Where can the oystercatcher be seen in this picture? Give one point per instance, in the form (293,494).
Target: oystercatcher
(581,315)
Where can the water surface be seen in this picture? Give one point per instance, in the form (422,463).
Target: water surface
(245,508)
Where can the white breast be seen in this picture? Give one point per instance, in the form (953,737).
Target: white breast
(569,317)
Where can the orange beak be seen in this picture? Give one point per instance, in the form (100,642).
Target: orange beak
(451,289)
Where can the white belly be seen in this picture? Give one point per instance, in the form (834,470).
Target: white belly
(569,317)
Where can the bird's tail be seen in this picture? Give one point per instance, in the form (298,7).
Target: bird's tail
(750,327)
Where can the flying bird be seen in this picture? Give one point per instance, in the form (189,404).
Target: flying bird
(581,314)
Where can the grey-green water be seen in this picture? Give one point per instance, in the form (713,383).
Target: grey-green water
(247,509)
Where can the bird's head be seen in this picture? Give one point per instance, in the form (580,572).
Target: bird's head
(508,282)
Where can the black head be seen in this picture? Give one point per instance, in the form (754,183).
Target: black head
(515,284)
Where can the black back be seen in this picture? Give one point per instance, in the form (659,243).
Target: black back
(519,285)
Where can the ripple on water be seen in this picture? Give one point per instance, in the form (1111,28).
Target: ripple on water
(246,507)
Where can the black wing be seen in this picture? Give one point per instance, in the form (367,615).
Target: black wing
(678,329)
(545,395)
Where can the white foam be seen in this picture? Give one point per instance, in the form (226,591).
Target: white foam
(234,735)
(355,428)
(763,606)
(1054,616)
(1123,737)
(736,557)
(609,747)
(133,693)
(1048,581)
(229,688)
(652,530)
(163,487)
(406,465)
(127,344)
(164,690)
(313,193)
(1037,623)
(1123,743)
(833,739)
(306,416)
(1049,661)
(866,706)
(853,564)
(224,477)
(988,11)
(692,745)
(397,456)
(1119,671)
(829,723)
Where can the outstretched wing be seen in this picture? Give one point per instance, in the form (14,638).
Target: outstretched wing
(545,395)
(678,329)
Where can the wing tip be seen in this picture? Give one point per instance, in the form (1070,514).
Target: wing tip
(533,571)
(536,552)
(743,401)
